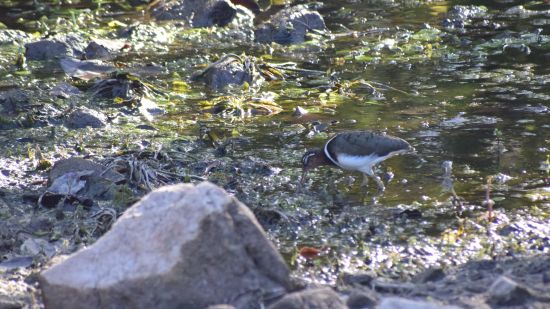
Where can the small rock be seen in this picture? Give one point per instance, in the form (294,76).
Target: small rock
(270,216)
(146,127)
(364,298)
(59,46)
(84,117)
(364,278)
(104,49)
(324,298)
(506,292)
(13,101)
(16,262)
(290,26)
(76,164)
(34,246)
(64,91)
(430,274)
(91,180)
(10,36)
(230,69)
(402,303)
(198,13)
(299,111)
(181,246)
(146,33)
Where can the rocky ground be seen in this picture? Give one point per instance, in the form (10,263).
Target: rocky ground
(196,246)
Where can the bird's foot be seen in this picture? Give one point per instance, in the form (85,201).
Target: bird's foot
(381,187)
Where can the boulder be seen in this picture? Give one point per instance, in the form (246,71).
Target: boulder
(290,26)
(181,246)
(320,298)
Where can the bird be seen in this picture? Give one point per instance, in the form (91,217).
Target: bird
(356,151)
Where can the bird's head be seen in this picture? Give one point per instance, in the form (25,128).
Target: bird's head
(312,159)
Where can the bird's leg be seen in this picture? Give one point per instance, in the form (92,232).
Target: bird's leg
(365,182)
(377,179)
(380,184)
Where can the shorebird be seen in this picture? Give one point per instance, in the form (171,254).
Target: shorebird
(356,151)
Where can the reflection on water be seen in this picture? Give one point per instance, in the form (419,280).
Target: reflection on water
(463,100)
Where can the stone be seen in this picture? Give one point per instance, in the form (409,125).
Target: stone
(430,274)
(76,164)
(59,46)
(290,26)
(104,49)
(10,36)
(229,70)
(299,111)
(362,298)
(362,278)
(16,262)
(83,117)
(320,298)
(140,32)
(64,91)
(82,179)
(402,303)
(506,292)
(198,13)
(35,246)
(180,246)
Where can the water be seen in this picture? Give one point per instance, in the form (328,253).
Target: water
(455,95)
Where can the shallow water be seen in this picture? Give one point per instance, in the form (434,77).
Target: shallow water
(454,95)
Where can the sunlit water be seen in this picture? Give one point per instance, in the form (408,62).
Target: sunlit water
(459,98)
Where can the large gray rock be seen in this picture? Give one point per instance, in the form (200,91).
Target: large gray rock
(321,298)
(181,246)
